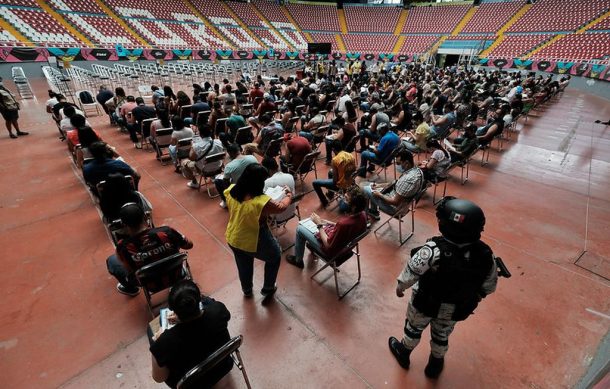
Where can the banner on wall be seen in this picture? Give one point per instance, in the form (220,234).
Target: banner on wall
(40,54)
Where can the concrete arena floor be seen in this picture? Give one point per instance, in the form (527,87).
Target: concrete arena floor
(546,197)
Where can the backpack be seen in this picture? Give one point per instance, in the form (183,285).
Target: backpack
(86,97)
(8,101)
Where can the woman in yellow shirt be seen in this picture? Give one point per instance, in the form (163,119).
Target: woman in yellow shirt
(248,234)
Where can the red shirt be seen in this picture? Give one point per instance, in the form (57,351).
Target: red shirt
(254,93)
(298,147)
(344,231)
(267,106)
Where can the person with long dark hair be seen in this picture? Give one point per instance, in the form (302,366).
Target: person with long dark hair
(248,234)
(200,330)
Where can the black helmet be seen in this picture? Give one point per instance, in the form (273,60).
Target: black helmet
(460,221)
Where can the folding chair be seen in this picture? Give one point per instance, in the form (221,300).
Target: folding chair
(162,142)
(274,147)
(185,111)
(244,135)
(436,181)
(389,160)
(275,224)
(229,349)
(334,262)
(319,136)
(220,125)
(407,207)
(307,165)
(183,148)
(145,129)
(206,175)
(202,117)
(161,275)
(87,101)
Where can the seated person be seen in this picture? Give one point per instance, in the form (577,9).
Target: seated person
(463,147)
(199,105)
(377,155)
(180,132)
(332,238)
(143,246)
(316,120)
(402,191)
(76,121)
(340,139)
(343,166)
(278,178)
(378,118)
(140,113)
(495,127)
(119,191)
(441,125)
(203,146)
(200,330)
(264,108)
(271,130)
(416,141)
(103,165)
(66,123)
(233,123)
(86,136)
(163,121)
(296,150)
(233,170)
(436,166)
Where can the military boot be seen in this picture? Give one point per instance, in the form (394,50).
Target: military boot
(434,367)
(400,352)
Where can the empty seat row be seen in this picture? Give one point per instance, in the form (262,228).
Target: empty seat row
(559,15)
(315,17)
(490,17)
(515,46)
(371,19)
(367,43)
(577,47)
(434,19)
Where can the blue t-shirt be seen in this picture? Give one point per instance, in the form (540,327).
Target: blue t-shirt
(96,171)
(387,144)
(199,107)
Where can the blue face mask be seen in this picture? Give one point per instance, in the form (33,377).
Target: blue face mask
(400,169)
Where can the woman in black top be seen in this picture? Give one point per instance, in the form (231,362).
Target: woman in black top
(201,329)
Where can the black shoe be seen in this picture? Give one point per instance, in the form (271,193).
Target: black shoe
(434,367)
(247,293)
(22,133)
(400,352)
(370,169)
(374,216)
(330,195)
(127,290)
(13,136)
(268,292)
(291,259)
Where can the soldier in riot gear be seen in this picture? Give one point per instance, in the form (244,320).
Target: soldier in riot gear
(449,276)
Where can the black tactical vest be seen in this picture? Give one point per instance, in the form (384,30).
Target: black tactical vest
(457,280)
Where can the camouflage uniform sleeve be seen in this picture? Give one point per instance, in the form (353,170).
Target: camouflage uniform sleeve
(418,264)
(489,285)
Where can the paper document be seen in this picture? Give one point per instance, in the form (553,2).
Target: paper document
(276,193)
(310,225)
(165,324)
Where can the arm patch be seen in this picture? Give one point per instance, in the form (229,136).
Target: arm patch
(420,262)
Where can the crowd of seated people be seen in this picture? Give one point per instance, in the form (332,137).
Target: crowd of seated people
(260,133)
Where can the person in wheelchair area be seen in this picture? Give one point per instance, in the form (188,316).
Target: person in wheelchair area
(200,329)
(143,246)
(449,275)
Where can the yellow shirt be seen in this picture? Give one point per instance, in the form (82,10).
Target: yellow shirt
(421,135)
(244,226)
(345,164)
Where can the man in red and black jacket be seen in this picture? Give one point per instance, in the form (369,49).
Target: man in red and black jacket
(143,246)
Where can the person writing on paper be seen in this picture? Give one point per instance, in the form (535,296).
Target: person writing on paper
(281,179)
(200,330)
(248,234)
(331,237)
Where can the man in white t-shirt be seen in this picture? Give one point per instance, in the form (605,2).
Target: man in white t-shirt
(203,146)
(278,178)
(180,132)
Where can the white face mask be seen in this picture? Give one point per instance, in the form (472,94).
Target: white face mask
(400,169)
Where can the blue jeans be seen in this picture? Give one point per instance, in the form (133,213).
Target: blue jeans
(367,134)
(221,185)
(306,135)
(366,157)
(303,236)
(481,131)
(268,251)
(117,269)
(323,183)
(375,203)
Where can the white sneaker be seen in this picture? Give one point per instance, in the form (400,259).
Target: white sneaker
(223,205)
(192,185)
(137,145)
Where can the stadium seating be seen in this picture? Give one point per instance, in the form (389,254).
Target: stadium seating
(515,46)
(294,37)
(271,39)
(545,15)
(602,25)
(82,6)
(368,43)
(6,38)
(577,47)
(371,19)
(418,44)
(272,12)
(308,17)
(38,26)
(490,17)
(434,19)
(246,13)
(102,30)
